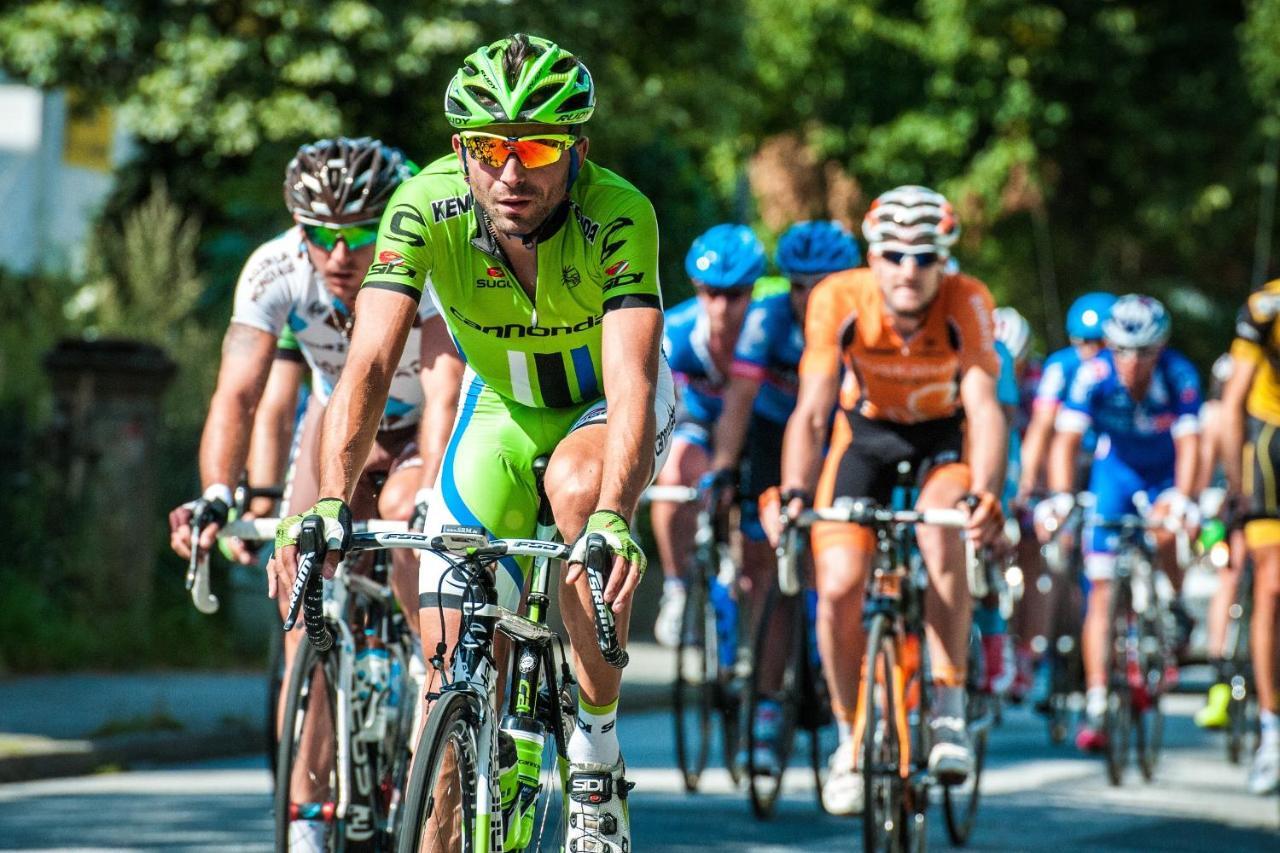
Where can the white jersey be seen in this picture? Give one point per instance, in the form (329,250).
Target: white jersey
(280,290)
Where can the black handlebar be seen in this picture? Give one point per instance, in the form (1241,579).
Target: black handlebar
(597,565)
(308,586)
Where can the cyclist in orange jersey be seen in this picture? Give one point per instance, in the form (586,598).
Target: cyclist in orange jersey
(917,349)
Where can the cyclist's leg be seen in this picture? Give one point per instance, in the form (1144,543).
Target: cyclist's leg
(1262,533)
(395,503)
(761,470)
(1113,485)
(674,524)
(573,487)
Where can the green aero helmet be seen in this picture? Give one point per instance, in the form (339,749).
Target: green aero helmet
(520,79)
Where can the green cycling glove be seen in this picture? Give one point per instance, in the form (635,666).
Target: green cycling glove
(337,525)
(617,535)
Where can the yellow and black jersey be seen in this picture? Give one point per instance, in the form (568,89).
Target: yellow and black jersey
(1258,342)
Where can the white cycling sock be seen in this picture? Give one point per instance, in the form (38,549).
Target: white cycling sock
(844,729)
(672,586)
(595,739)
(948,701)
(306,836)
(1095,701)
(1269,723)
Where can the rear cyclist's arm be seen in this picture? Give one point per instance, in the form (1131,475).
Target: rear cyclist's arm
(273,428)
(735,417)
(441,376)
(988,450)
(351,417)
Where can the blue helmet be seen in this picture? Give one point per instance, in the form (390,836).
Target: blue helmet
(726,256)
(1087,314)
(820,246)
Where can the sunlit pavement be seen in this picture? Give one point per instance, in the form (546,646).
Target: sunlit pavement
(1036,797)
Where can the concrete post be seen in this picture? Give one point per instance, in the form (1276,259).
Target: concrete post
(107,397)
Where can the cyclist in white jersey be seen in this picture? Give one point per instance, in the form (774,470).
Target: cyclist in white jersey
(304,282)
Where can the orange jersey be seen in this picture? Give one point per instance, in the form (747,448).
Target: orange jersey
(888,377)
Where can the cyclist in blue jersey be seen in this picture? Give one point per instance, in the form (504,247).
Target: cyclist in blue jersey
(1144,400)
(1084,330)
(699,341)
(757,402)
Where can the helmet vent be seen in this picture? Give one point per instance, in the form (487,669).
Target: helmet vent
(582,100)
(564,66)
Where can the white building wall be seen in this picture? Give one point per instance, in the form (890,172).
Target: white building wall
(48,204)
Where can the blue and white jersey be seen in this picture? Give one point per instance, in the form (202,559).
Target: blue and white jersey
(1140,432)
(1055,379)
(769,351)
(686,342)
(279,289)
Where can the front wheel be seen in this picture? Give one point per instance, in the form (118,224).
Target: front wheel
(765,783)
(306,781)
(440,805)
(1118,720)
(695,683)
(885,827)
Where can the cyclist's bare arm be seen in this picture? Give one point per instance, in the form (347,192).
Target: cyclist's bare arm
(735,417)
(989,441)
(803,440)
(383,320)
(1186,461)
(246,360)
(632,340)
(1234,395)
(273,429)
(1062,460)
(1210,443)
(441,376)
(247,354)
(1035,447)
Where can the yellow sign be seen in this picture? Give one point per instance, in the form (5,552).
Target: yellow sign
(89,132)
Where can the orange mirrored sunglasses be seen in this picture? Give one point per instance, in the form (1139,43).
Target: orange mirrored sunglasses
(533,151)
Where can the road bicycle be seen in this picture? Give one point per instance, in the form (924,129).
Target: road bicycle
(802,699)
(708,678)
(458,797)
(892,733)
(1141,634)
(343,754)
(1064,558)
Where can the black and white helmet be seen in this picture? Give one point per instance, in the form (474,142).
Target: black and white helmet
(913,220)
(340,182)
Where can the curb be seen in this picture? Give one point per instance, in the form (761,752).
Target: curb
(31,758)
(45,758)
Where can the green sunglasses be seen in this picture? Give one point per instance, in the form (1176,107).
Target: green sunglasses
(355,236)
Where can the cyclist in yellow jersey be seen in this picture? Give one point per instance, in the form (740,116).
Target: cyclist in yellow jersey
(1251,406)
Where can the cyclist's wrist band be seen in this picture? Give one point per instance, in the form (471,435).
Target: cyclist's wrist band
(218,492)
(792,494)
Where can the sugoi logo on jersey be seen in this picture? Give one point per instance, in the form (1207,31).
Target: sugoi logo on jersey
(589,227)
(389,257)
(391,263)
(497,277)
(447,208)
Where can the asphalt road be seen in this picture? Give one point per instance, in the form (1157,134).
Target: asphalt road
(1036,797)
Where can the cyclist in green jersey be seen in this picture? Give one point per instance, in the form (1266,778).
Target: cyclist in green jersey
(544,266)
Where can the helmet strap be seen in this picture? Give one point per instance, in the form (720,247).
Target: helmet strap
(574,166)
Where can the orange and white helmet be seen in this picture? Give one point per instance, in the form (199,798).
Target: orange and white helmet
(912,220)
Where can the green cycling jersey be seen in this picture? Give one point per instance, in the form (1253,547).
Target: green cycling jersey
(598,251)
